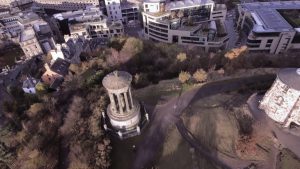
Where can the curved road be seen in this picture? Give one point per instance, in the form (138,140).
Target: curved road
(168,114)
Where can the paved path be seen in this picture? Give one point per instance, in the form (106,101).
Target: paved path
(285,138)
(165,115)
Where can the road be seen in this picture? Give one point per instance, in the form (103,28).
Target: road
(165,115)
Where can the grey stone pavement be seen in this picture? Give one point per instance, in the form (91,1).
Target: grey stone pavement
(168,114)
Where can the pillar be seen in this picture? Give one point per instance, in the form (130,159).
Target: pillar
(120,104)
(130,97)
(126,101)
(112,101)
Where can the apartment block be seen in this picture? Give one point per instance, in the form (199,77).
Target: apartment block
(199,23)
(66,5)
(270,26)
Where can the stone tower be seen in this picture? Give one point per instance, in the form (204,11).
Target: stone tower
(123,111)
(282,101)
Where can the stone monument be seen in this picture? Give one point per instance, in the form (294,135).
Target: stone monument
(123,111)
(282,101)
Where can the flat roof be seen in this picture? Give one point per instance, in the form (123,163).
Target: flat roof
(27,34)
(187,4)
(267,16)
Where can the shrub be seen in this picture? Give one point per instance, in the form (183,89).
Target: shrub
(200,75)
(184,76)
(72,116)
(181,57)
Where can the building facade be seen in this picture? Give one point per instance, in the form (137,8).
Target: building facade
(282,101)
(89,23)
(199,23)
(268,26)
(66,5)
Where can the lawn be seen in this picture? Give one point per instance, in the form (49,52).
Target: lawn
(161,92)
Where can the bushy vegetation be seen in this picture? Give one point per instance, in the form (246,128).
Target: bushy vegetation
(55,130)
(62,129)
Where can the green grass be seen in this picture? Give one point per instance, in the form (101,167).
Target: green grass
(161,92)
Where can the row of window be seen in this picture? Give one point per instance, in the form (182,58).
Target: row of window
(191,42)
(158,37)
(158,25)
(158,29)
(158,33)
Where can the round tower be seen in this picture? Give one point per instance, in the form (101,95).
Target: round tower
(282,101)
(123,111)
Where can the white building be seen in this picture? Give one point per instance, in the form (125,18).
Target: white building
(66,5)
(199,23)
(90,23)
(267,26)
(113,8)
(282,101)
(29,85)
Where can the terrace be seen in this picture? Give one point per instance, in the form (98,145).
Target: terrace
(291,16)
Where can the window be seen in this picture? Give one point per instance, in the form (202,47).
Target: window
(270,41)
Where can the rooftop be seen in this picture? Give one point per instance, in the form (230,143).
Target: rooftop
(186,4)
(60,66)
(27,34)
(29,83)
(80,15)
(267,17)
(290,77)
(117,80)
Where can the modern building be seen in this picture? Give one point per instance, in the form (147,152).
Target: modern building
(270,26)
(282,101)
(124,112)
(190,22)
(66,5)
(29,85)
(89,23)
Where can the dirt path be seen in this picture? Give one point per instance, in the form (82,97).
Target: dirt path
(165,115)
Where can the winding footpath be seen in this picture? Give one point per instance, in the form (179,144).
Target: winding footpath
(168,114)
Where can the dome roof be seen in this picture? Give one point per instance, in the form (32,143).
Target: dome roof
(290,77)
(117,80)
